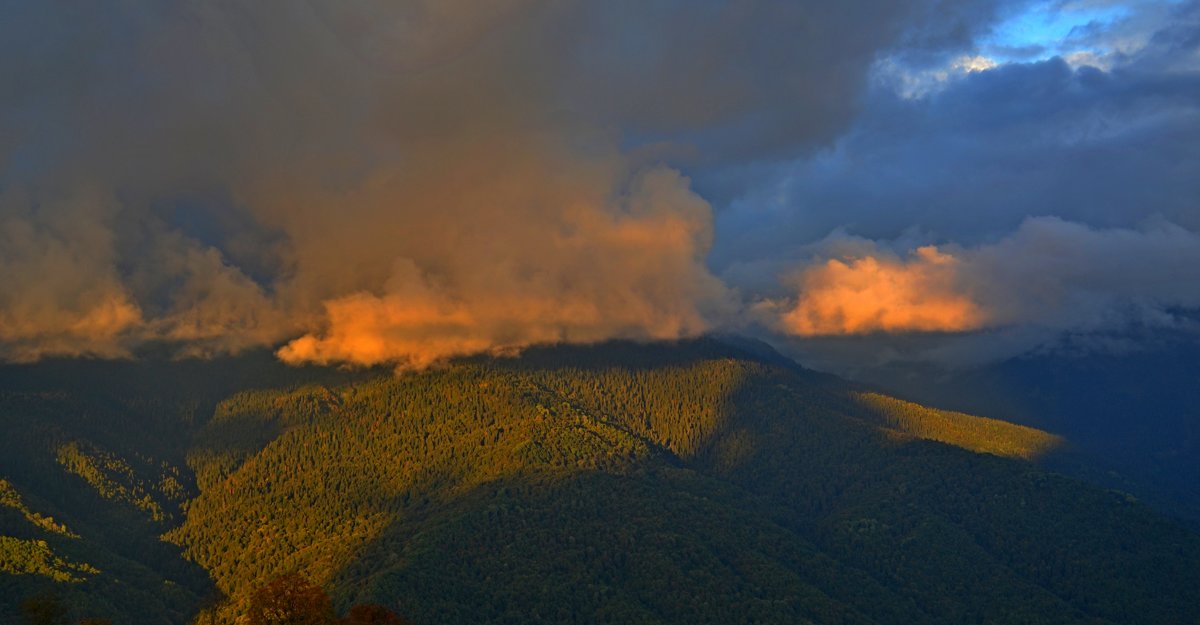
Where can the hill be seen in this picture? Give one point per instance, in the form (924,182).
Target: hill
(696,482)
(1130,407)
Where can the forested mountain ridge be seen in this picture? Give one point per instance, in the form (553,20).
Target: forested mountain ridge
(1130,404)
(673,483)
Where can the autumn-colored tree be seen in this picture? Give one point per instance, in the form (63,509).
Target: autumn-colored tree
(290,600)
(372,614)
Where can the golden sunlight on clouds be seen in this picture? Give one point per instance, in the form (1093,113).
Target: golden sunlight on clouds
(882,294)
(403,183)
(98,330)
(111,316)
(592,271)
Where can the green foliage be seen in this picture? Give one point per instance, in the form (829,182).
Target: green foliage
(34,557)
(10,498)
(110,563)
(690,483)
(113,478)
(978,434)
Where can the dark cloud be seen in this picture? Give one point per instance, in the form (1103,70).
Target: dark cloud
(399,181)
(1106,148)
(1109,157)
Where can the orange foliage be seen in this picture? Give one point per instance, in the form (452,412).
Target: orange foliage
(290,600)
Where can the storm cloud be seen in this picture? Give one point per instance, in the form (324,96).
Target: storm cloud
(1049,196)
(403,182)
(397,182)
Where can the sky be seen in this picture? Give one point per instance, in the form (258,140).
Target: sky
(402,183)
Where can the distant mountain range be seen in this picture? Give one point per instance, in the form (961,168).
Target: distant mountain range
(706,481)
(1131,414)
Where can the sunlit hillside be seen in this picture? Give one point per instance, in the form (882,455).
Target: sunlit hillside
(979,434)
(673,483)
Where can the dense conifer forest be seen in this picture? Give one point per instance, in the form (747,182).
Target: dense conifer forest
(697,482)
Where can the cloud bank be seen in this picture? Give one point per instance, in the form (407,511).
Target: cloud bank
(1062,198)
(1049,272)
(398,182)
(403,182)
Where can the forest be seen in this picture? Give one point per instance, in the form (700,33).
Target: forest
(689,482)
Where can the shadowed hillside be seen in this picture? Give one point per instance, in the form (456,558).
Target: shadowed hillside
(1131,413)
(671,483)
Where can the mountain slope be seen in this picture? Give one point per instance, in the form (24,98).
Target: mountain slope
(1130,405)
(685,483)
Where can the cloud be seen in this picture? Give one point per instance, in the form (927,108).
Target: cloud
(1107,157)
(629,271)
(399,181)
(61,295)
(882,294)
(1046,279)
(405,182)
(920,83)
(1056,273)
(972,160)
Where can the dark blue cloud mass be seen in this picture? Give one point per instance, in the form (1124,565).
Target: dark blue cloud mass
(966,158)
(1106,148)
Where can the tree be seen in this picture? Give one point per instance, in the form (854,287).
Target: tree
(44,609)
(290,600)
(371,614)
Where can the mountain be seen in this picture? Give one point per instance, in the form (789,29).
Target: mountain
(691,482)
(1131,410)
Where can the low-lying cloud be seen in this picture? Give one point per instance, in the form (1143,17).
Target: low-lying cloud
(626,266)
(882,293)
(1049,273)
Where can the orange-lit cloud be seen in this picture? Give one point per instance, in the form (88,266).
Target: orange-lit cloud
(589,272)
(59,294)
(97,330)
(396,184)
(1049,275)
(404,182)
(883,294)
